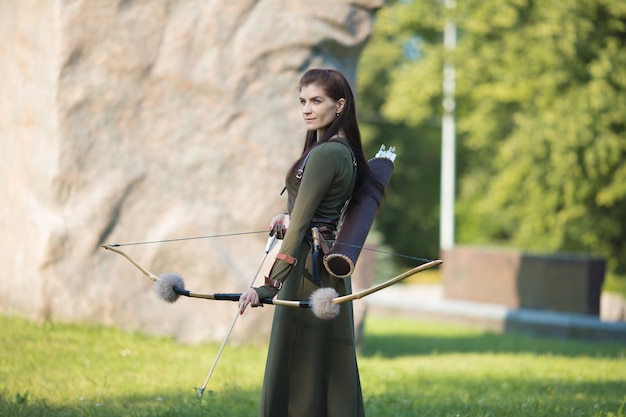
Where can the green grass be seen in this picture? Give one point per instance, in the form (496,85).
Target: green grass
(408,368)
(615,284)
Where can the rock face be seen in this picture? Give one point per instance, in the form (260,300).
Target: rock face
(135,121)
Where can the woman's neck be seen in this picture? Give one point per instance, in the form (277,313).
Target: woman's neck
(320,134)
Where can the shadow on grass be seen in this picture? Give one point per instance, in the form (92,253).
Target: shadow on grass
(395,345)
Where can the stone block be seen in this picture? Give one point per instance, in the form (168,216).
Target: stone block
(516,279)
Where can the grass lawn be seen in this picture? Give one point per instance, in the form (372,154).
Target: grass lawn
(408,368)
(615,284)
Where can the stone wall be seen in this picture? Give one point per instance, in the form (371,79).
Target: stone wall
(145,120)
(556,282)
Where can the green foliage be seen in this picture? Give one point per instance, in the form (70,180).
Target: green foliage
(540,114)
(407,368)
(614,284)
(408,231)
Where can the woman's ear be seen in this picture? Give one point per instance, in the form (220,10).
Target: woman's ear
(340,104)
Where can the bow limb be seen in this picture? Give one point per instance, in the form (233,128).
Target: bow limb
(392,281)
(147,273)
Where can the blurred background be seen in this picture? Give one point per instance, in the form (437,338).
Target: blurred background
(135,121)
(540,131)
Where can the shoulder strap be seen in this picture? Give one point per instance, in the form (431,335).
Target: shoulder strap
(300,170)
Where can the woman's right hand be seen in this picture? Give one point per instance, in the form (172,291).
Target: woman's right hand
(250,297)
(278,225)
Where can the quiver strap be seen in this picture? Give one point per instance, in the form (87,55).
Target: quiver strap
(341,260)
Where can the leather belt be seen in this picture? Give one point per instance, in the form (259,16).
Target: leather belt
(324,220)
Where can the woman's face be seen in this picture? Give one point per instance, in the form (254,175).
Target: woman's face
(318,109)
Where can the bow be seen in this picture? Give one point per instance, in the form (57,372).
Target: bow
(325,303)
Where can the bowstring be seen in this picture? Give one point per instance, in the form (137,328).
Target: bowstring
(149,242)
(399,255)
(367,248)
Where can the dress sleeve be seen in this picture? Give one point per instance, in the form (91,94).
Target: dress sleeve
(316,180)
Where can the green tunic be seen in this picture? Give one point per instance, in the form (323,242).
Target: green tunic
(311,368)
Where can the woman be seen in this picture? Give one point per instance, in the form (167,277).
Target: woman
(311,368)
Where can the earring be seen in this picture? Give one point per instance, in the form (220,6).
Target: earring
(338,114)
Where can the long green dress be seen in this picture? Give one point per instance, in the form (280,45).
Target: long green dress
(311,368)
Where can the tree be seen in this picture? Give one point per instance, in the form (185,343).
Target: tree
(408,218)
(540,114)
